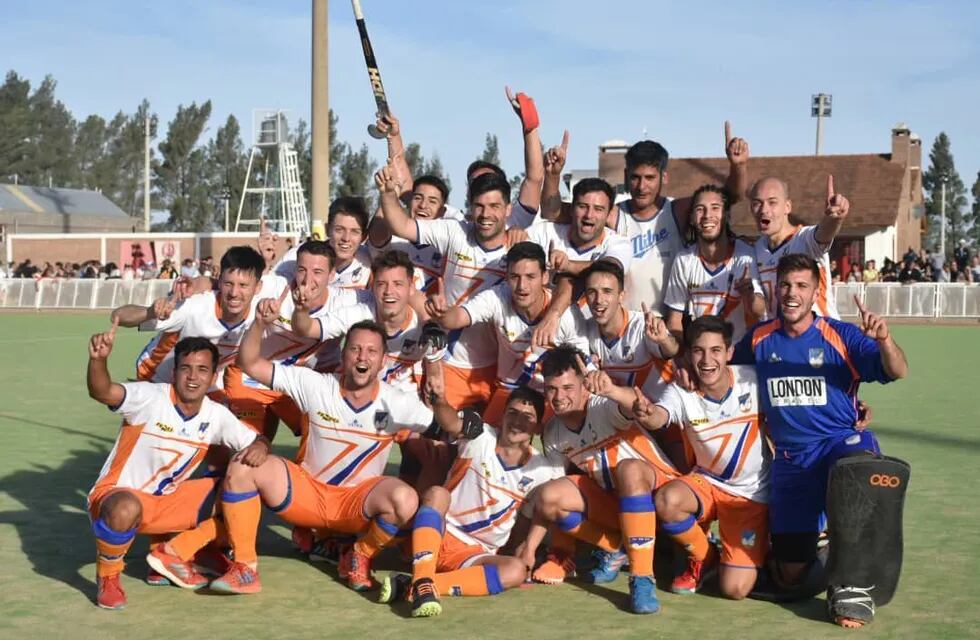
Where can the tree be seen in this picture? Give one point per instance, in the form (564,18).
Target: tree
(434,168)
(958,224)
(355,174)
(89,150)
(976,210)
(181,175)
(120,174)
(226,163)
(491,150)
(15,125)
(52,133)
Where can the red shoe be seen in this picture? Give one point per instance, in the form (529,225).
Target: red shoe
(182,573)
(557,566)
(155,579)
(212,561)
(110,594)
(303,539)
(240,579)
(693,577)
(356,569)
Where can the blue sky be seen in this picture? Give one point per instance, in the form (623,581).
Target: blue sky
(603,70)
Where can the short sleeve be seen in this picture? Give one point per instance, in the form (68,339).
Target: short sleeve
(486,306)
(468,448)
(405,411)
(540,233)
(299,383)
(286,267)
(675,293)
(620,249)
(672,402)
(520,216)
(233,433)
(551,451)
(609,413)
(807,236)
(865,354)
(139,396)
(178,317)
(572,330)
(438,233)
(335,323)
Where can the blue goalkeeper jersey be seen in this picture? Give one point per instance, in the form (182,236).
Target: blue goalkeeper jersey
(809,383)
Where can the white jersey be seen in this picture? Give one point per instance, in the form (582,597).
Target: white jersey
(486,495)
(695,290)
(198,316)
(469,270)
(345,445)
(356,275)
(803,240)
(655,243)
(609,244)
(517,360)
(726,435)
(630,358)
(403,360)
(605,437)
(426,259)
(158,447)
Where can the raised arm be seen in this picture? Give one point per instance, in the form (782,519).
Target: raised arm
(736,185)
(836,210)
(893,359)
(530,195)
(399,221)
(391,127)
(658,335)
(100,384)
(561,298)
(250,358)
(554,162)
(301,323)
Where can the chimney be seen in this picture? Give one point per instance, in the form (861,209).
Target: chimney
(901,144)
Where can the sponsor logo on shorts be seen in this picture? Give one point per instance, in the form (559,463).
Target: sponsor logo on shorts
(797,391)
(456,590)
(885,480)
(641,543)
(326,417)
(856,438)
(166,428)
(816,357)
(748,538)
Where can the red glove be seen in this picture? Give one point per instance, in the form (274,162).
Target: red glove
(529,113)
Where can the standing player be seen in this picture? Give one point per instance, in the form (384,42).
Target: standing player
(337,482)
(144,486)
(621,465)
(811,367)
(460,527)
(722,423)
(717,275)
(511,310)
(771,206)
(222,317)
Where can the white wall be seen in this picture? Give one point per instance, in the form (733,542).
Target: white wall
(880,245)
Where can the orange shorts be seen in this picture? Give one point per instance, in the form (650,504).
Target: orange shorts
(601,506)
(494,413)
(190,504)
(456,554)
(313,504)
(468,387)
(742,523)
(251,405)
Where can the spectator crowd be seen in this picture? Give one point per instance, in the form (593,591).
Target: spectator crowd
(168,270)
(921,266)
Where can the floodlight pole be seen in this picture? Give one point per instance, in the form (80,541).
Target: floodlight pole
(942,217)
(320,111)
(146,171)
(820,109)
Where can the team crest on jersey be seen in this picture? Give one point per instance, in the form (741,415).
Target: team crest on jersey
(356,273)
(745,402)
(748,538)
(816,357)
(202,430)
(326,417)
(524,483)
(774,357)
(380,419)
(627,354)
(166,428)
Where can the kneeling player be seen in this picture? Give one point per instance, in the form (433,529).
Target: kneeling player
(337,482)
(459,527)
(166,431)
(730,483)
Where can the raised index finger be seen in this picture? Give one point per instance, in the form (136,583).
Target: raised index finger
(564,141)
(510,95)
(581,362)
(830,186)
(644,308)
(115,325)
(861,307)
(728,132)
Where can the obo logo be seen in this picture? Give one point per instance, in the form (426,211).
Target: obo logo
(883,480)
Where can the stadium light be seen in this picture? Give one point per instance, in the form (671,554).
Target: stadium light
(820,108)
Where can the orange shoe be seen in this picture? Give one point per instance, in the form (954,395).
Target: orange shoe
(240,579)
(303,539)
(181,573)
(110,594)
(558,566)
(356,569)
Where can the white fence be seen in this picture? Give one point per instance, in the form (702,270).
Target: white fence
(947,300)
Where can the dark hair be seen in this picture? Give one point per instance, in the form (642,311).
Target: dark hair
(606,266)
(527,251)
(561,359)
(476,165)
(531,397)
(726,205)
(193,345)
(392,259)
(433,181)
(591,185)
(349,206)
(797,262)
(647,152)
(368,325)
(243,258)
(708,324)
(318,248)
(486,183)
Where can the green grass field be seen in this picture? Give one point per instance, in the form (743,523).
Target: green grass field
(56,439)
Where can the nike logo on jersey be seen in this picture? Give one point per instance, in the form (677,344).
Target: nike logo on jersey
(646,241)
(797,391)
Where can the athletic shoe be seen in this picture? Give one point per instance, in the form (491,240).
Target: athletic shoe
(394,587)
(212,561)
(696,573)
(180,572)
(356,569)
(643,595)
(850,607)
(154,579)
(556,568)
(425,600)
(240,579)
(327,550)
(303,539)
(110,594)
(608,566)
